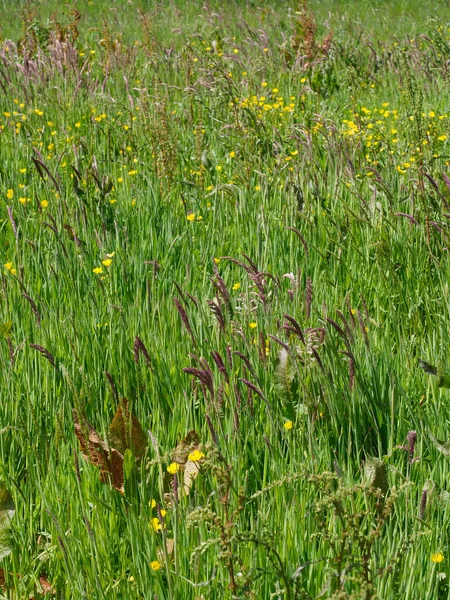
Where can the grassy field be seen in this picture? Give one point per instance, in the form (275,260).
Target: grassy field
(224,239)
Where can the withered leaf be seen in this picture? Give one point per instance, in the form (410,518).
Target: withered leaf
(96,451)
(46,587)
(185,447)
(126,433)
(191,470)
(169,549)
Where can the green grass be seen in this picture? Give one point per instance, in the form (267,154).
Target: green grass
(159,173)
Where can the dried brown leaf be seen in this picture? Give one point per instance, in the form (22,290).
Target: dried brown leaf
(191,470)
(185,447)
(125,431)
(96,451)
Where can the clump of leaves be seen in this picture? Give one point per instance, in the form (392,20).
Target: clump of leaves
(126,436)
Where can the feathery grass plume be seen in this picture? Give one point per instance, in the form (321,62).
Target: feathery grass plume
(300,236)
(246,361)
(423,503)
(45,353)
(222,289)
(13,223)
(220,365)
(363,329)
(34,308)
(204,376)
(308,297)
(217,312)
(347,328)
(185,319)
(284,378)
(139,348)
(293,327)
(112,385)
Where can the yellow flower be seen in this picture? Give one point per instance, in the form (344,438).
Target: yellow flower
(437,558)
(236,286)
(257,188)
(191,217)
(195,456)
(110,255)
(155,565)
(22,200)
(23,170)
(173,468)
(216,260)
(156,524)
(9,194)
(78,125)
(442,138)
(44,203)
(232,154)
(253,325)
(106,262)
(9,267)
(97,270)
(152,503)
(288,425)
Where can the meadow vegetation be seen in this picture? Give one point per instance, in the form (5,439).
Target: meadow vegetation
(224,300)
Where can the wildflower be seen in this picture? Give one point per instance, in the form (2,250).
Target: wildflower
(253,325)
(195,456)
(9,194)
(438,557)
(257,188)
(110,255)
(235,51)
(44,203)
(106,262)
(236,286)
(190,217)
(97,270)
(9,267)
(173,468)
(288,425)
(156,524)
(22,171)
(77,124)
(442,138)
(22,200)
(152,503)
(232,154)
(155,565)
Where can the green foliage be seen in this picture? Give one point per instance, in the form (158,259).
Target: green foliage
(236,216)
